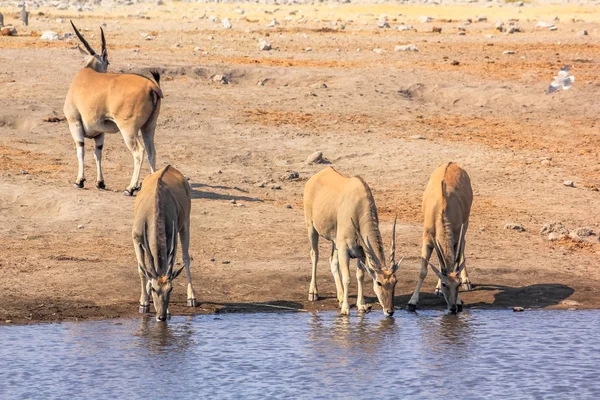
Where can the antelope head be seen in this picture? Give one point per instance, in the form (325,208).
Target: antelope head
(384,279)
(98,62)
(450,274)
(160,284)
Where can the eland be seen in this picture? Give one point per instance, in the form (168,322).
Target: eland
(342,210)
(161,211)
(99,103)
(446,207)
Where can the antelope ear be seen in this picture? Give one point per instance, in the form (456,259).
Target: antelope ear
(83,52)
(176,273)
(397,265)
(369,270)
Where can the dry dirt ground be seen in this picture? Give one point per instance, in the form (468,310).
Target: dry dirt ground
(67,254)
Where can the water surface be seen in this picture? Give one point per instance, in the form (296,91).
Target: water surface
(478,354)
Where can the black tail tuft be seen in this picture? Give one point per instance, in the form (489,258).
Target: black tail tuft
(156,76)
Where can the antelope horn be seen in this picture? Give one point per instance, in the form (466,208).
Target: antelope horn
(171,259)
(103,40)
(147,248)
(367,246)
(85,43)
(440,254)
(393,250)
(459,247)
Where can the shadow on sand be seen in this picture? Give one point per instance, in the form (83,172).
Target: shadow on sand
(202,194)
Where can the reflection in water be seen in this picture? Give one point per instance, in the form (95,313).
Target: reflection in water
(477,354)
(161,337)
(449,332)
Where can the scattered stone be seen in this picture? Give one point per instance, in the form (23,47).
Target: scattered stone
(308,49)
(221,79)
(568,183)
(50,35)
(408,47)
(518,309)
(516,227)
(582,33)
(321,85)
(425,19)
(273,23)
(212,260)
(553,28)
(513,29)
(556,226)
(489,36)
(571,303)
(482,18)
(455,62)
(225,262)
(500,26)
(417,137)
(288,206)
(291,176)
(461,33)
(403,28)
(213,18)
(554,236)
(226,23)
(80,226)
(544,24)
(233,201)
(261,82)
(24,172)
(546,161)
(315,158)
(575,237)
(378,51)
(8,31)
(584,232)
(383,24)
(197,48)
(263,45)
(276,187)
(508,52)
(436,29)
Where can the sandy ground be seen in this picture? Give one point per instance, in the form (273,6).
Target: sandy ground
(66,253)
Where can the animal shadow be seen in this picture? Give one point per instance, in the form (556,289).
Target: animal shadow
(203,194)
(540,295)
(256,307)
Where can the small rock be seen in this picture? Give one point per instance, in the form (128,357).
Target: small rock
(80,226)
(213,18)
(575,237)
(197,48)
(554,236)
(553,28)
(263,45)
(383,24)
(24,172)
(50,35)
(571,303)
(518,309)
(226,23)
(508,52)
(556,227)
(378,51)
(568,183)
(315,158)
(321,85)
(461,33)
(226,262)
(516,227)
(292,175)
(212,260)
(403,28)
(544,24)
(425,19)
(489,36)
(308,49)
(276,187)
(8,321)
(513,29)
(417,137)
(233,201)
(582,33)
(455,62)
(288,206)
(221,79)
(584,232)
(482,18)
(436,29)
(408,47)
(273,23)
(545,162)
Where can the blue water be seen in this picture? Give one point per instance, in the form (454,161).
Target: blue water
(477,354)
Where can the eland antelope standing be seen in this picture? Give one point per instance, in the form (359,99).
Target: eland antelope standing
(342,210)
(446,207)
(99,103)
(162,209)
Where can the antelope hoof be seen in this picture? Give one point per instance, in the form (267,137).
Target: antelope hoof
(79,184)
(100,185)
(364,309)
(313,297)
(192,303)
(459,308)
(345,310)
(467,286)
(144,309)
(411,307)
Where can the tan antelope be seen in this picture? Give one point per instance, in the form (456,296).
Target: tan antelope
(342,210)
(99,103)
(446,207)
(162,209)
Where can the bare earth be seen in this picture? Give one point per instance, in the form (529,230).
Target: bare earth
(67,254)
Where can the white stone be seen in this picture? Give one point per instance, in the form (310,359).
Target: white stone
(226,23)
(408,47)
(50,35)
